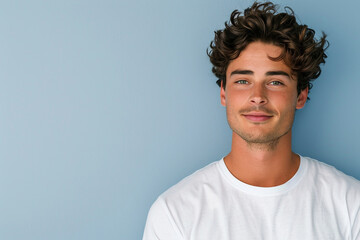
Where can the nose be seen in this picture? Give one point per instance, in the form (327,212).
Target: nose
(258,96)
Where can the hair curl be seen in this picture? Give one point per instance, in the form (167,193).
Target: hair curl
(261,22)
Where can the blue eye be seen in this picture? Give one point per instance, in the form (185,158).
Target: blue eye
(276,83)
(242,82)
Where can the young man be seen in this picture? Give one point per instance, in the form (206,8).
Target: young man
(264,61)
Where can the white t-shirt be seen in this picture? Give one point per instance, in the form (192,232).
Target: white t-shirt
(318,202)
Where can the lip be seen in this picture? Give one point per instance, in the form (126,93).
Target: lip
(257,116)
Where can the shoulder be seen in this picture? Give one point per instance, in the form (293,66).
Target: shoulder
(191,192)
(338,190)
(328,173)
(329,179)
(173,211)
(192,184)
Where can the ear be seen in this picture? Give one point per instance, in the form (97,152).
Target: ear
(222,94)
(301,99)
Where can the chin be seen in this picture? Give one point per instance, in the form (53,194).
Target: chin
(260,137)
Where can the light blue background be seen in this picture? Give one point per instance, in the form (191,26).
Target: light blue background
(105,104)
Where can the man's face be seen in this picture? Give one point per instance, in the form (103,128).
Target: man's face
(260,95)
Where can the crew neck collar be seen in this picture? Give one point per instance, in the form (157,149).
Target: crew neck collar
(265,191)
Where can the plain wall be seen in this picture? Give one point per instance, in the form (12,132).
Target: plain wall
(106,104)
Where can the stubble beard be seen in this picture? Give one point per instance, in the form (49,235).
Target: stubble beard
(267,141)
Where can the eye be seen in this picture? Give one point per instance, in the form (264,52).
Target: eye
(276,83)
(242,82)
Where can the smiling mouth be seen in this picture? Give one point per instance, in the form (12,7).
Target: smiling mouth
(257,117)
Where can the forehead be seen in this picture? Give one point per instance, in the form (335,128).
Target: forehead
(256,58)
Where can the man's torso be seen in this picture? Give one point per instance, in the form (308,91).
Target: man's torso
(319,202)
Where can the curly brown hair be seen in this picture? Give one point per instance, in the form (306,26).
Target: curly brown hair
(261,22)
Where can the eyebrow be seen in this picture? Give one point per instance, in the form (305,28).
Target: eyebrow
(270,73)
(244,72)
(274,73)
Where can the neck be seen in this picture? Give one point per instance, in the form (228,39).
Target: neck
(263,165)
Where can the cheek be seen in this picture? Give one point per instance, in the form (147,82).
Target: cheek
(234,103)
(284,100)
(235,98)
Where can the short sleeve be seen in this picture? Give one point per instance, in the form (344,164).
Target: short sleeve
(353,202)
(356,226)
(159,224)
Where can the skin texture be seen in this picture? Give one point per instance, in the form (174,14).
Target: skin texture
(260,97)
